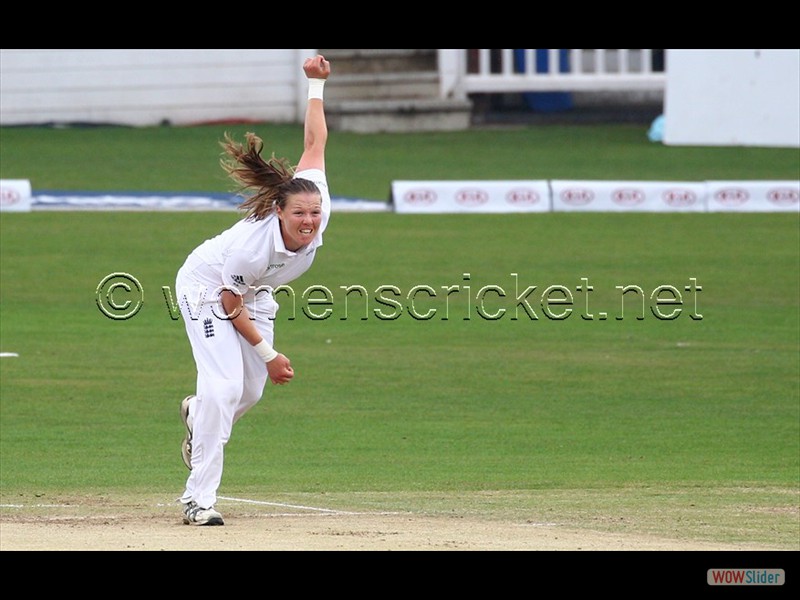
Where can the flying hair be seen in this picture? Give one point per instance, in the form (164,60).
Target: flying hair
(263,183)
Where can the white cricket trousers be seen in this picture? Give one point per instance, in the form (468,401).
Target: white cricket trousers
(230,375)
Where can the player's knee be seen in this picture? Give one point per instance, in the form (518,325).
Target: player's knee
(226,393)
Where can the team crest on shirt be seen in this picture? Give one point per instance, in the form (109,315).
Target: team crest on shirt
(208,328)
(238,279)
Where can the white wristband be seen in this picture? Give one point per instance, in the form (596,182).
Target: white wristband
(265,351)
(315,87)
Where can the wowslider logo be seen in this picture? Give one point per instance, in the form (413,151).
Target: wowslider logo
(746,577)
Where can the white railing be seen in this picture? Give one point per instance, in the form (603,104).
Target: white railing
(464,72)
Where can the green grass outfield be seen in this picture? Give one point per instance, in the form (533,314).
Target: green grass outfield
(682,427)
(364,165)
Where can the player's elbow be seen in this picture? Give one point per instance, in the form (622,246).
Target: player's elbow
(231,302)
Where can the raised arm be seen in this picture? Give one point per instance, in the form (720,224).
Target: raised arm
(315,134)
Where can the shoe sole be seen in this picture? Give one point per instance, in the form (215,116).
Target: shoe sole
(211,522)
(186,444)
(208,516)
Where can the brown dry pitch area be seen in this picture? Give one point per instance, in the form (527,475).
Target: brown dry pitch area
(153,528)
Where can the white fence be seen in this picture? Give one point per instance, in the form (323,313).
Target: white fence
(146,87)
(464,72)
(150,86)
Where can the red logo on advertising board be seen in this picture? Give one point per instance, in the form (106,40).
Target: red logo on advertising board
(628,197)
(732,196)
(783,196)
(420,197)
(471,197)
(521,196)
(679,197)
(9,196)
(577,196)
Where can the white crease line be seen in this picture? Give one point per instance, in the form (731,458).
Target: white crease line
(242,500)
(264,503)
(282,505)
(323,515)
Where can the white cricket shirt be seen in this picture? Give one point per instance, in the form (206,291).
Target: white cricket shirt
(251,255)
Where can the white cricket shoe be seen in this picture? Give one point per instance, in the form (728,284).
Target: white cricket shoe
(194,514)
(186,444)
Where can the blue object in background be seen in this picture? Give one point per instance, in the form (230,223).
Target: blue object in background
(656,131)
(545,101)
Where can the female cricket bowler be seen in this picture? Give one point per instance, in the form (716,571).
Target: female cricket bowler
(225,292)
